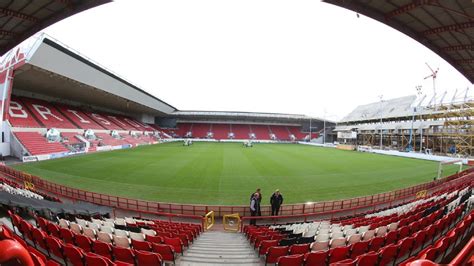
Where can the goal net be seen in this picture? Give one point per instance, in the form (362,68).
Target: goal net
(443,164)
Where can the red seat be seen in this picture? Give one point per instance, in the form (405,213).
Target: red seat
(338,254)
(141,245)
(39,238)
(67,235)
(299,249)
(154,239)
(26,229)
(102,248)
(359,248)
(84,242)
(74,255)
(53,230)
(376,243)
(368,259)
(265,245)
(55,246)
(346,262)
(388,254)
(92,259)
(318,258)
(166,251)
(145,258)
(403,232)
(406,246)
(274,253)
(291,260)
(391,237)
(175,242)
(124,254)
(419,240)
(261,238)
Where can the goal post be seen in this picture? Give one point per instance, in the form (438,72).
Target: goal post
(448,162)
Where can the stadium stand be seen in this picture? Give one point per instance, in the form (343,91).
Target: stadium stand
(200,130)
(241,131)
(261,131)
(281,132)
(221,131)
(296,132)
(36,144)
(19,116)
(46,113)
(120,241)
(78,117)
(427,228)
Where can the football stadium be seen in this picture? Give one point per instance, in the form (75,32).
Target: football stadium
(96,170)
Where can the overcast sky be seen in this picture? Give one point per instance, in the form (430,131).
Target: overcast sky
(302,57)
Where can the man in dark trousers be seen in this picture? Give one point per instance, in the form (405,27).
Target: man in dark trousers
(259,192)
(255,207)
(276,200)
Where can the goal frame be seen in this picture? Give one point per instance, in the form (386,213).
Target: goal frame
(448,162)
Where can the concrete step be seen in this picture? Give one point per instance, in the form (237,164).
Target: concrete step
(220,248)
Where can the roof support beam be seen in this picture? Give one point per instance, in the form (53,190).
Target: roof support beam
(19,15)
(407,8)
(458,48)
(465,61)
(7,33)
(453,27)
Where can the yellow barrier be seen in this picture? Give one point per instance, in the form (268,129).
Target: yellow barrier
(209,220)
(421,194)
(231,222)
(29,185)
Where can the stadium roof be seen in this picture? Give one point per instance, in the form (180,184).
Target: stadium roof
(224,114)
(53,69)
(445,27)
(20,19)
(398,107)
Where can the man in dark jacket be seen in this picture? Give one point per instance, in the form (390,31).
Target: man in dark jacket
(276,200)
(254,207)
(258,191)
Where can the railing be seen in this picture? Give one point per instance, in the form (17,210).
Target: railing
(198,211)
(448,182)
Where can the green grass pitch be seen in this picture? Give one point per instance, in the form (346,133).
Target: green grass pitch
(227,173)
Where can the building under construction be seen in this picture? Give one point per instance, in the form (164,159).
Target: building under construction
(406,124)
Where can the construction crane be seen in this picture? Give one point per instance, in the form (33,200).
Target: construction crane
(433,75)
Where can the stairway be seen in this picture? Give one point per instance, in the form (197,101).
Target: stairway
(220,248)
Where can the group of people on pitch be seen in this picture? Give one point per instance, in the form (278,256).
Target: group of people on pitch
(276,200)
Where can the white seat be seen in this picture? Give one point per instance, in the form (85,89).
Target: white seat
(337,235)
(309,233)
(109,224)
(89,232)
(349,232)
(320,245)
(97,221)
(368,235)
(336,229)
(363,229)
(120,221)
(321,237)
(121,241)
(104,237)
(337,242)
(76,228)
(119,232)
(94,226)
(354,238)
(348,226)
(323,231)
(392,226)
(81,222)
(148,232)
(381,231)
(63,223)
(107,229)
(137,236)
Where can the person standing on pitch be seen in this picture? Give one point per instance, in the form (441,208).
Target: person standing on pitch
(254,207)
(276,200)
